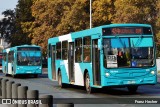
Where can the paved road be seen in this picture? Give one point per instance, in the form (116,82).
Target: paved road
(45,87)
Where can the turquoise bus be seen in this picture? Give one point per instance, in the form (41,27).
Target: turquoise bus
(24,59)
(115,55)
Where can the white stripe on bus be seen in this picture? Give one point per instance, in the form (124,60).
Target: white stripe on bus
(79,80)
(9,68)
(65,37)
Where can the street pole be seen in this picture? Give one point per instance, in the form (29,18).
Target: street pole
(90,14)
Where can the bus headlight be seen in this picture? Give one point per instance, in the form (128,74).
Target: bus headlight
(152,72)
(107,74)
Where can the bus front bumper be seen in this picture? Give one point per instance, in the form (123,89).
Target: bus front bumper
(136,81)
(31,70)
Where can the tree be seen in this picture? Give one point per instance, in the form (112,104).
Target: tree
(75,18)
(23,14)
(103,11)
(157,31)
(48,16)
(42,27)
(135,11)
(7,25)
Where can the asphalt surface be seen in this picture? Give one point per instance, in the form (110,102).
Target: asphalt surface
(114,97)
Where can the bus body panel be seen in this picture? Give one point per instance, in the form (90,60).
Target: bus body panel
(61,66)
(79,72)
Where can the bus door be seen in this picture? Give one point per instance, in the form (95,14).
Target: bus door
(53,54)
(96,62)
(71,62)
(6,63)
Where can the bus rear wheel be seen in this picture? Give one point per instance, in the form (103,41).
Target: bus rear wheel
(89,89)
(132,89)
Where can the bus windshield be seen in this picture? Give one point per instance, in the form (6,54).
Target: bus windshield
(29,58)
(128,52)
(142,56)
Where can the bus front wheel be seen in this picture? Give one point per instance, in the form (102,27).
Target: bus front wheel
(132,89)
(89,89)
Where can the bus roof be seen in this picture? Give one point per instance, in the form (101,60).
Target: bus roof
(92,31)
(15,47)
(126,24)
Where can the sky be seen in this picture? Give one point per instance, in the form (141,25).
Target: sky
(7,4)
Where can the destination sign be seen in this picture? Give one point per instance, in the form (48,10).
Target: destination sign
(116,31)
(127,31)
(28,49)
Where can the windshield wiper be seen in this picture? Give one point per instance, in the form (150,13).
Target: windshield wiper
(121,42)
(138,41)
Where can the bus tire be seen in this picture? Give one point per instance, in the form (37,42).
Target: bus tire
(132,89)
(89,89)
(6,75)
(62,85)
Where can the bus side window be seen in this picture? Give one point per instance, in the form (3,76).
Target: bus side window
(4,56)
(58,50)
(87,49)
(78,52)
(64,50)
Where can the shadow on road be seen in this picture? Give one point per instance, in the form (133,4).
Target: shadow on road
(104,91)
(144,90)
